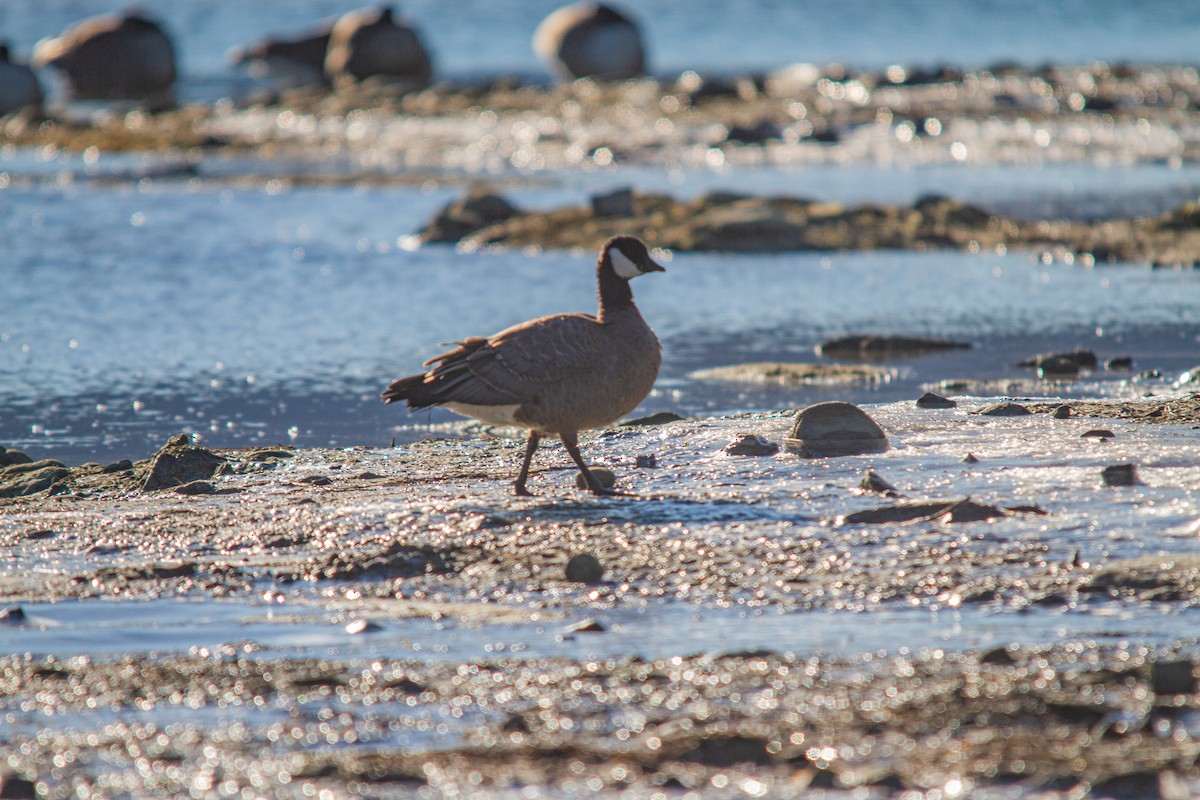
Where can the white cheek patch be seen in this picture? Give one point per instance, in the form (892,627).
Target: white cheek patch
(622,265)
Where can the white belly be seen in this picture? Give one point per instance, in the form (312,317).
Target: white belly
(493,415)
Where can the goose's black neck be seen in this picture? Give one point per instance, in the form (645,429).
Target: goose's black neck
(614,290)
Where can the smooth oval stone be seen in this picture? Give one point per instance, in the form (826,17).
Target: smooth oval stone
(750,444)
(835,428)
(584,568)
(1062,412)
(1005,410)
(606,477)
(1120,475)
(931,400)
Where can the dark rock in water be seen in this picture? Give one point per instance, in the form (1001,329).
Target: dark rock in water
(970,458)
(931,400)
(461,218)
(584,568)
(516,723)
(647,461)
(1119,363)
(617,203)
(1143,785)
(315,480)
(759,133)
(1080,359)
(117,466)
(606,477)
(1173,677)
(587,626)
(873,348)
(1004,410)
(874,482)
(31,477)
(940,211)
(1000,656)
(1120,475)
(178,462)
(14,786)
(1058,367)
(1097,433)
(749,444)
(362,626)
(9,457)
(1062,412)
(659,418)
(726,751)
(835,428)
(195,488)
(13,617)
(958,511)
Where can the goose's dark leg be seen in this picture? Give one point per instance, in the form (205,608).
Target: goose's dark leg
(571,442)
(530,446)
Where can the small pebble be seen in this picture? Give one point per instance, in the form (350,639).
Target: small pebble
(1004,410)
(874,482)
(587,626)
(1119,362)
(1173,677)
(606,477)
(1097,433)
(1062,412)
(315,480)
(970,458)
(13,616)
(750,444)
(584,568)
(195,488)
(931,400)
(362,626)
(1120,475)
(17,787)
(648,461)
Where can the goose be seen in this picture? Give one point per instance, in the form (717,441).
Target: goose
(590,40)
(19,87)
(299,59)
(371,42)
(111,57)
(554,375)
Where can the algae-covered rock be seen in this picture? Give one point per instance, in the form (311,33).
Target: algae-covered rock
(878,348)
(463,217)
(31,477)
(179,463)
(794,374)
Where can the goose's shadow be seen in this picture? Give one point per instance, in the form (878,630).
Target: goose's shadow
(658,509)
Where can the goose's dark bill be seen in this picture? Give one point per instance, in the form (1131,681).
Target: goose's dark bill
(553,375)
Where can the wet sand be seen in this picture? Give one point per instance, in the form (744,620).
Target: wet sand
(431,531)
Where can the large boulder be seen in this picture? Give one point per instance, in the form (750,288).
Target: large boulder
(835,428)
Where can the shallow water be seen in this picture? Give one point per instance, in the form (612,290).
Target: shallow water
(259,315)
(656,630)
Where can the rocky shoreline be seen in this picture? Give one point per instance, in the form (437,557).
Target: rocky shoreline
(727,222)
(952,517)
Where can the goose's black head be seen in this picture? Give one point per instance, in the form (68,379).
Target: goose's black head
(621,259)
(629,257)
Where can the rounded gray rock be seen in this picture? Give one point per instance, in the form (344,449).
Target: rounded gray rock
(584,568)
(606,477)
(835,428)
(1005,410)
(750,444)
